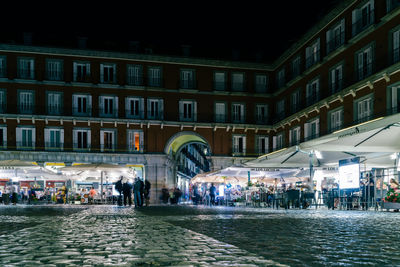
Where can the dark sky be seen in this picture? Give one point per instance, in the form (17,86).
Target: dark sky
(212,30)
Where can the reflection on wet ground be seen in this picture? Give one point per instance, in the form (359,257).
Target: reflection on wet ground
(195,236)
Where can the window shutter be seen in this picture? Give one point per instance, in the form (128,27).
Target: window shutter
(360,64)
(127,106)
(161,103)
(74,138)
(141,108)
(181,111)
(258,147)
(244,144)
(308,54)
(46,138)
(115,111)
(394,97)
(88,69)
(342,31)
(33,138)
(75,71)
(306,130)
(101,140)
(62,139)
(89,106)
(148,109)
(396,40)
(89,138)
(18,132)
(317,127)
(328,39)
(274,142)
(101,105)
(194,111)
(290,136)
(353,21)
(141,141)
(102,73)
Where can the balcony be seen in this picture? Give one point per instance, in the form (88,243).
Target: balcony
(82,77)
(135,80)
(313,59)
(335,43)
(187,116)
(134,114)
(187,84)
(220,86)
(312,99)
(364,22)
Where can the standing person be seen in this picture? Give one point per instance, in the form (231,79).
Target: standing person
(1,196)
(213,190)
(141,191)
(195,197)
(164,194)
(92,194)
(147,186)
(118,187)
(127,190)
(136,193)
(14,195)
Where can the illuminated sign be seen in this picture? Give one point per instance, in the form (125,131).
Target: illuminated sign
(349,173)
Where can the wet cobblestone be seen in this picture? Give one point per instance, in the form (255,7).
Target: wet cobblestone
(111,236)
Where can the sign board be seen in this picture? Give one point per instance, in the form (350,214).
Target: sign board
(349,173)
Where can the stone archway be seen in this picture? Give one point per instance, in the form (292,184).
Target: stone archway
(178,140)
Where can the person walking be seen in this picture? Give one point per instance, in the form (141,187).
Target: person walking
(147,186)
(118,187)
(127,190)
(92,194)
(136,193)
(164,194)
(213,190)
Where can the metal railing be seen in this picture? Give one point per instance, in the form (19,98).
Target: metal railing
(135,80)
(54,75)
(313,98)
(187,84)
(220,86)
(238,87)
(336,86)
(364,71)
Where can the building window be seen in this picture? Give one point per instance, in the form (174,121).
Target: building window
(25,137)
(311,129)
(25,102)
(280,78)
(82,105)
(295,101)
(280,110)
(362,17)
(219,81)
(188,80)
(312,92)
(54,138)
(391,5)
(220,112)
(3,137)
(108,106)
(364,109)
(155,76)
(365,62)
(237,82)
(238,113)
(135,141)
(335,120)
(239,144)
(262,145)
(3,66)
(155,109)
(3,100)
(107,140)
(187,110)
(261,114)
(393,99)
(336,79)
(26,68)
(395,46)
(294,136)
(135,75)
(277,142)
(54,103)
(313,54)
(108,73)
(54,69)
(81,72)
(134,107)
(296,67)
(81,139)
(261,83)
(335,37)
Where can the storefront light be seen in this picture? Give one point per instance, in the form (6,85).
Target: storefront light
(393,156)
(318,154)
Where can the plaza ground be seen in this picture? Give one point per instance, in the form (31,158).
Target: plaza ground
(63,235)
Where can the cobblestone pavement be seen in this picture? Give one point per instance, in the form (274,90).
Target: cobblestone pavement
(111,236)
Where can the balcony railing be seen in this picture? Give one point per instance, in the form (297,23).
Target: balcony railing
(237,86)
(312,99)
(54,75)
(187,84)
(220,86)
(187,116)
(365,70)
(80,77)
(336,86)
(135,80)
(364,22)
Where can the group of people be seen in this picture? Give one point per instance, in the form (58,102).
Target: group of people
(208,197)
(172,196)
(141,192)
(10,194)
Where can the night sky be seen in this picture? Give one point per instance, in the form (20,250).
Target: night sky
(212,30)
